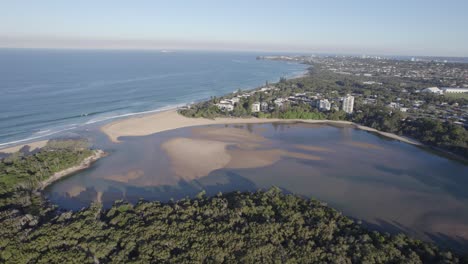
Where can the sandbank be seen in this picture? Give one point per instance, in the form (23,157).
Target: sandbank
(193,158)
(169,120)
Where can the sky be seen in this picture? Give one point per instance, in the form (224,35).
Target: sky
(397,27)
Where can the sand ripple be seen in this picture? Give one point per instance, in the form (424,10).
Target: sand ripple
(192,158)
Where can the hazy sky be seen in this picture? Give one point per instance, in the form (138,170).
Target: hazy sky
(400,27)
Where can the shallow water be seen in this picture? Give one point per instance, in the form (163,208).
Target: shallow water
(387,184)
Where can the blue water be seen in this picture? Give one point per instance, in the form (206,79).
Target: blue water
(43,92)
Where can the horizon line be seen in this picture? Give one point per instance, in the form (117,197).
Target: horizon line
(278,52)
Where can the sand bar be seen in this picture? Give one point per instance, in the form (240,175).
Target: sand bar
(169,120)
(206,151)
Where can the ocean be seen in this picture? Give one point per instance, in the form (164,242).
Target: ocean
(44,93)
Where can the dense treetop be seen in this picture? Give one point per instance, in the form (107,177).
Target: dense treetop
(21,170)
(260,227)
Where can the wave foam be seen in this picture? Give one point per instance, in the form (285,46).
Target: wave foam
(49,132)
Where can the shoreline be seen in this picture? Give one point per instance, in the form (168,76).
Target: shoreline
(10,147)
(32,146)
(171,119)
(86,163)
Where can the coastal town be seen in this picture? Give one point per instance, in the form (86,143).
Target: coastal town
(423,100)
(443,72)
(272,103)
(437,90)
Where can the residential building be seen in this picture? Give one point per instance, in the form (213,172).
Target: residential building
(434,90)
(280,102)
(454,90)
(264,107)
(323,105)
(348,104)
(394,105)
(256,107)
(369,101)
(225,107)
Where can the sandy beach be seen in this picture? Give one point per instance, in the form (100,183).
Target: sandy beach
(169,120)
(32,146)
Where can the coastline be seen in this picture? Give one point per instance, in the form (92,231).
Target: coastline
(32,146)
(86,163)
(171,119)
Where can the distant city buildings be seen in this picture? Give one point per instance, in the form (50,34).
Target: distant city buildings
(348,104)
(443,90)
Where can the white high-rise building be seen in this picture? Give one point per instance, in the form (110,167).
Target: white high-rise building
(348,104)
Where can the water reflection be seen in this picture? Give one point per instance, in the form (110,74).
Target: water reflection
(389,185)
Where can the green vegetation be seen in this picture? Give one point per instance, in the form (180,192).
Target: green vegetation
(205,110)
(429,124)
(444,135)
(260,227)
(463,96)
(26,171)
(20,174)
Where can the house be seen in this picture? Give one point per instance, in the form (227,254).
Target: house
(433,90)
(369,101)
(280,102)
(371,83)
(323,105)
(394,105)
(256,107)
(264,107)
(225,107)
(417,103)
(268,88)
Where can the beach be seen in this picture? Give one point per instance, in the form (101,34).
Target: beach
(32,146)
(171,119)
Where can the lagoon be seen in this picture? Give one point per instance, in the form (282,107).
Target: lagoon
(387,184)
